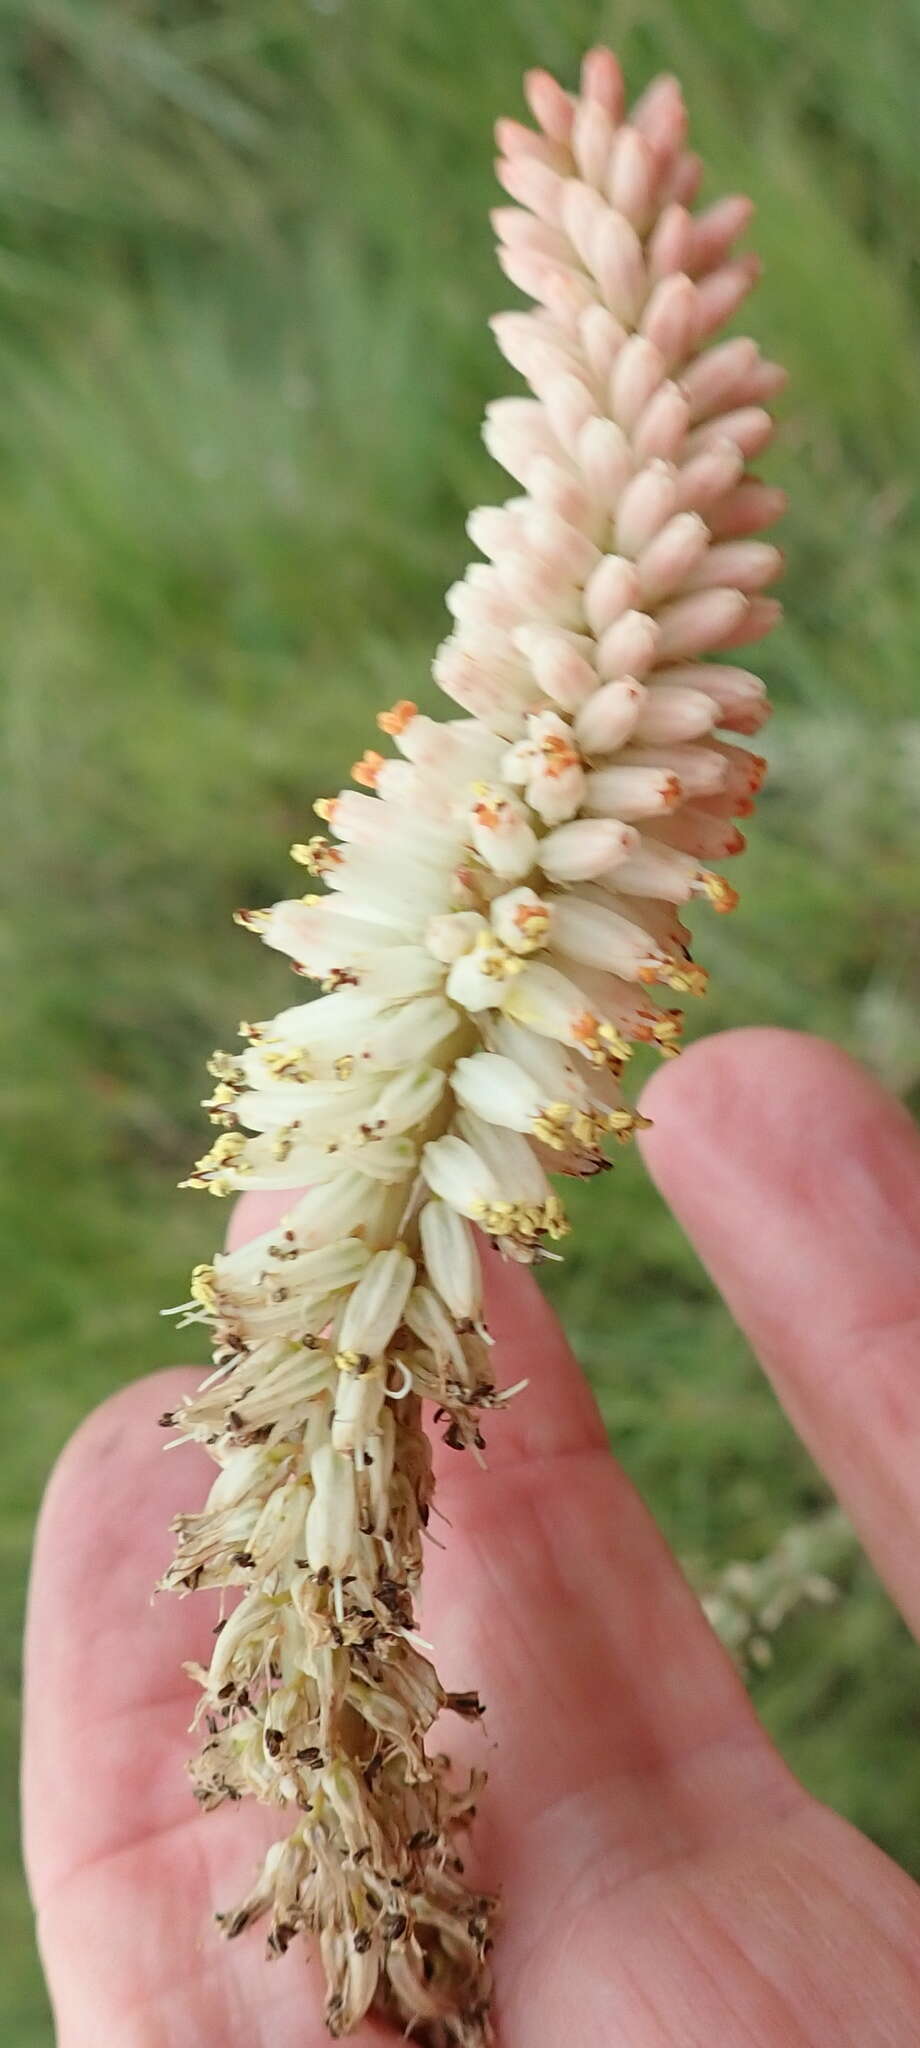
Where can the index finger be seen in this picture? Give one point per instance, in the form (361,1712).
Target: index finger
(797,1178)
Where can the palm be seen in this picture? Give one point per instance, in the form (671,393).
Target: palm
(666,1881)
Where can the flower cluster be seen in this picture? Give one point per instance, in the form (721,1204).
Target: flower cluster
(748,1602)
(502,924)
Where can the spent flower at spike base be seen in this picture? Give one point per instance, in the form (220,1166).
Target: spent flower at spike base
(503,922)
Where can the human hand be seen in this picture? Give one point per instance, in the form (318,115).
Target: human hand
(666,1881)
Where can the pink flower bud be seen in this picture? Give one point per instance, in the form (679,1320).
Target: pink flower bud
(619,266)
(629,647)
(592,141)
(612,588)
(609,717)
(632,177)
(715,229)
(662,426)
(637,372)
(677,554)
(602,80)
(553,108)
(671,242)
(692,624)
(647,501)
(670,317)
(588,847)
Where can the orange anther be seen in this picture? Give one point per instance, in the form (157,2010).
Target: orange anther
(367,770)
(398,717)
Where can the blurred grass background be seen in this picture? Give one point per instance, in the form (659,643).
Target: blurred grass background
(245,271)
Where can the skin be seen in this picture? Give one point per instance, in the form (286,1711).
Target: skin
(666,1880)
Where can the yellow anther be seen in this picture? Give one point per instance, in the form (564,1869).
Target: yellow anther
(288,1065)
(223,1094)
(495,958)
(225,1068)
(588,1129)
(252,920)
(225,1151)
(532,920)
(317,856)
(524,1222)
(203,1287)
(208,1172)
(687,979)
(720,892)
(548,1133)
(613,1042)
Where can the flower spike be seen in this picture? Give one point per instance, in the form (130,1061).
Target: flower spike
(503,922)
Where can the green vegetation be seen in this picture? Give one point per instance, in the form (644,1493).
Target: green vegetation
(245,270)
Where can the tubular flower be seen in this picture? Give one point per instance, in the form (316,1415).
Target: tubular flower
(502,923)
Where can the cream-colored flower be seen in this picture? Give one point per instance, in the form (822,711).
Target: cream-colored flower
(501,917)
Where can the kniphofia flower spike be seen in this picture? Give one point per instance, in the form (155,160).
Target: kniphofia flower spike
(503,923)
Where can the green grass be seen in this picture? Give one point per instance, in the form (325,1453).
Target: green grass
(244,278)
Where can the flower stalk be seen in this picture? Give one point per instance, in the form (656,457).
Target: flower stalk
(503,922)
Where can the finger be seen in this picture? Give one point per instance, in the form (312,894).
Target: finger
(126,1873)
(99,1649)
(798,1180)
(253,1214)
